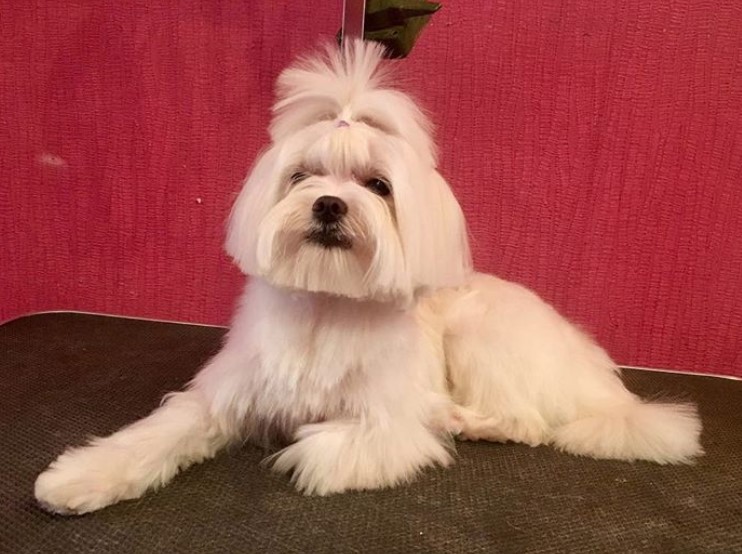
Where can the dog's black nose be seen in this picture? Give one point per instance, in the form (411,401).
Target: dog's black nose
(329,209)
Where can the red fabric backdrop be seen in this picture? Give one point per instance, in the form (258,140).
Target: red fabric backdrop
(596,147)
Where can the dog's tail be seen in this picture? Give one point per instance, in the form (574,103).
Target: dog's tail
(659,432)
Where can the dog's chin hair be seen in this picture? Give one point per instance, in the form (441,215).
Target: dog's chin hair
(317,268)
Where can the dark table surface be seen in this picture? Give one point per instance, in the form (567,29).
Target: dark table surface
(69,376)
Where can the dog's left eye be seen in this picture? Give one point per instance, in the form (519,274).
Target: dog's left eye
(378,186)
(298,177)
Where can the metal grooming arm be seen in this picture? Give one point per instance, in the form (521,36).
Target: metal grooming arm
(354,16)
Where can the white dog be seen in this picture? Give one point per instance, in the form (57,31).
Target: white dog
(364,339)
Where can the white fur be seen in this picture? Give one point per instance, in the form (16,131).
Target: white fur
(372,357)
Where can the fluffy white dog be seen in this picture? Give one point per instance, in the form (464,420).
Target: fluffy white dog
(364,340)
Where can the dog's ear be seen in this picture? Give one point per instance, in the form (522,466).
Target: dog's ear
(257,197)
(433,232)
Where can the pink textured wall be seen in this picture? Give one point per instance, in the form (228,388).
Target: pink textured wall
(596,147)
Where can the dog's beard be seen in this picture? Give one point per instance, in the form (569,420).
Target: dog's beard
(358,257)
(330,236)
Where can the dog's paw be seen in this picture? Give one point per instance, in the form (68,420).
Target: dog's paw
(80,481)
(468,425)
(310,470)
(338,456)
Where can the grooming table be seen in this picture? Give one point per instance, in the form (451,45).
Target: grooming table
(66,376)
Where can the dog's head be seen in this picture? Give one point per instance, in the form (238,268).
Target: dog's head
(347,199)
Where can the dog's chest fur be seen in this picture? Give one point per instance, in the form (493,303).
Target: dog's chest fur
(319,357)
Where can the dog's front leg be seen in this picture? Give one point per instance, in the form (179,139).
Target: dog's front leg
(372,453)
(185,430)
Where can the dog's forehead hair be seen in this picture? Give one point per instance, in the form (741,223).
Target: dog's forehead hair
(353,150)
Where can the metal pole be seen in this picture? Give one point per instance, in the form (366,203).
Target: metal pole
(354,14)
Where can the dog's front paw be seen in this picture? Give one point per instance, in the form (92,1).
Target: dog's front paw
(311,466)
(82,480)
(337,456)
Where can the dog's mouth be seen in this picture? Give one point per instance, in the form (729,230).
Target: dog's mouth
(329,236)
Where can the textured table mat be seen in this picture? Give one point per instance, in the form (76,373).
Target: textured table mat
(66,376)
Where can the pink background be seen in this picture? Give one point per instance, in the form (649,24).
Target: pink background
(596,147)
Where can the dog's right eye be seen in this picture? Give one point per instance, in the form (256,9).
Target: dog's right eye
(298,177)
(378,186)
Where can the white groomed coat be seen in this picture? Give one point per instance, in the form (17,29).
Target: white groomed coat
(367,359)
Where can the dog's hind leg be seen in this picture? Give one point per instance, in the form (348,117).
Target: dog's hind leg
(466,424)
(512,358)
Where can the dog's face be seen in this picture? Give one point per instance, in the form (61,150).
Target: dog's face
(347,199)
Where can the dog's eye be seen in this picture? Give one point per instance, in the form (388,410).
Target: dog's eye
(378,186)
(298,177)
